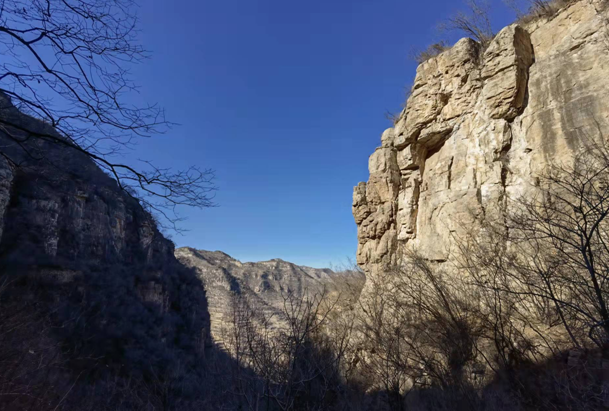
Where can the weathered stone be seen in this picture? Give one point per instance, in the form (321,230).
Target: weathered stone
(63,219)
(478,129)
(412,157)
(383,160)
(442,91)
(388,137)
(360,204)
(506,71)
(408,206)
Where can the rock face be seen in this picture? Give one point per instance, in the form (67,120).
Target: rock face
(478,126)
(69,233)
(263,284)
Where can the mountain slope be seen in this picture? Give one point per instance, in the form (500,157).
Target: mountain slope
(265,284)
(93,304)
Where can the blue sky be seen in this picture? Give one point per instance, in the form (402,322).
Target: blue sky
(285,100)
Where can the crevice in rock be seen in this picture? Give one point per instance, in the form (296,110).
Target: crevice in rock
(416,194)
(475,178)
(479,199)
(527,74)
(505,170)
(525,100)
(450,167)
(504,156)
(506,146)
(504,173)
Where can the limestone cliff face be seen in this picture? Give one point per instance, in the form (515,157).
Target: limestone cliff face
(66,224)
(264,285)
(478,127)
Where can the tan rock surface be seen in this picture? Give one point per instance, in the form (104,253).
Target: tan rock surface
(476,130)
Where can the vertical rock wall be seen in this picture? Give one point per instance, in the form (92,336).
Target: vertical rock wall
(66,224)
(477,128)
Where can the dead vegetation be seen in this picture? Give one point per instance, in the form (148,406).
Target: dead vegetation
(519,322)
(475,22)
(430,52)
(538,9)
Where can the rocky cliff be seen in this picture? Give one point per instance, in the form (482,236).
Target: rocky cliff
(478,127)
(264,285)
(91,295)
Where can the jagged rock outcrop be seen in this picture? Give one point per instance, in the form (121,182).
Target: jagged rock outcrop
(264,285)
(478,127)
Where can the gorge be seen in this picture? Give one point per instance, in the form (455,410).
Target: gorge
(99,311)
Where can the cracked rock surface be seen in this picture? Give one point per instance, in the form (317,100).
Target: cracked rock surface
(65,222)
(477,128)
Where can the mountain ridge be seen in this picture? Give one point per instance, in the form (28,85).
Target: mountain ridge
(264,284)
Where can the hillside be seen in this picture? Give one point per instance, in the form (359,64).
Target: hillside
(265,285)
(483,243)
(93,302)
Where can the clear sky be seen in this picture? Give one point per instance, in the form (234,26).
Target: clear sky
(285,100)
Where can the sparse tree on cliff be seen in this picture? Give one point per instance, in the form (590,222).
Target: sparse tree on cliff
(67,63)
(551,255)
(475,22)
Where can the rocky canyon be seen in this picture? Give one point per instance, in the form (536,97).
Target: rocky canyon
(100,311)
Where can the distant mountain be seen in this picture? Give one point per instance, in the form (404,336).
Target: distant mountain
(264,285)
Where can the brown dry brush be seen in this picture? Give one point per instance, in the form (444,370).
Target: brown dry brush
(545,266)
(422,334)
(519,323)
(538,9)
(555,248)
(475,22)
(296,362)
(431,51)
(497,336)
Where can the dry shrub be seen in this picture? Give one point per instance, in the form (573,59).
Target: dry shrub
(539,9)
(475,22)
(430,52)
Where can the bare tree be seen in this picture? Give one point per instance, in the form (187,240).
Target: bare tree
(295,364)
(431,51)
(551,254)
(423,329)
(566,228)
(385,357)
(67,63)
(538,8)
(475,22)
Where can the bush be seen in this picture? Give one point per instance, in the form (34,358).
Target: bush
(475,23)
(430,52)
(539,9)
